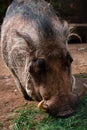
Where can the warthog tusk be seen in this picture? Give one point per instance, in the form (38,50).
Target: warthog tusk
(40,106)
(29,91)
(76,35)
(74,82)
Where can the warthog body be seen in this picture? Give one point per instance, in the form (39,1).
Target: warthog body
(34,48)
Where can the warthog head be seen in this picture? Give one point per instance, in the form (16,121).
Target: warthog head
(50,78)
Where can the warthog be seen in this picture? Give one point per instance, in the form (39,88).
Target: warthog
(34,47)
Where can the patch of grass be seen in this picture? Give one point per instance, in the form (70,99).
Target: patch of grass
(1,125)
(33,119)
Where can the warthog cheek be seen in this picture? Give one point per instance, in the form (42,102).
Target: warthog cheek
(66,113)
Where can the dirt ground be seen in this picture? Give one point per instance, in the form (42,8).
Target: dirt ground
(10,98)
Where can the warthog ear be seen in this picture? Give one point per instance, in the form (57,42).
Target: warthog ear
(27,38)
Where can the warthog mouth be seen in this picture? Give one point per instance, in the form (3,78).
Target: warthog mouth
(68,111)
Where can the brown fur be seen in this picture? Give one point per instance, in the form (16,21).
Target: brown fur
(36,53)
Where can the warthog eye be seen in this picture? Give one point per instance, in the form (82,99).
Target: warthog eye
(38,66)
(41,63)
